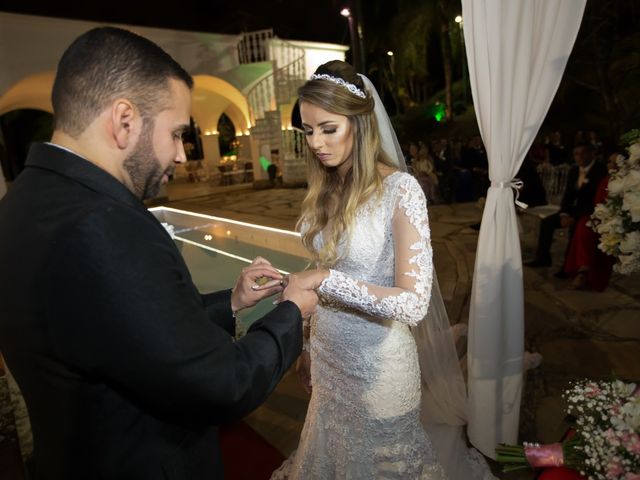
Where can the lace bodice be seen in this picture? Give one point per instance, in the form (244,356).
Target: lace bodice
(391,287)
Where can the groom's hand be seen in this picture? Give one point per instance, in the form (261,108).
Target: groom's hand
(299,288)
(245,293)
(298,292)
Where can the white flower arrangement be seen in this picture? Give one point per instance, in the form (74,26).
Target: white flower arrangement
(617,221)
(608,426)
(606,440)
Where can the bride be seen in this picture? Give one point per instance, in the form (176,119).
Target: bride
(388,398)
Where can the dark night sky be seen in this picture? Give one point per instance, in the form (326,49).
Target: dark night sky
(319,20)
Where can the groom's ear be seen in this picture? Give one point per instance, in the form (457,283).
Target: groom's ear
(125,123)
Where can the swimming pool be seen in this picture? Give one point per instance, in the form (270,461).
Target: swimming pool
(216,249)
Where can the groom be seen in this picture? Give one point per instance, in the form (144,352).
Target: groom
(126,369)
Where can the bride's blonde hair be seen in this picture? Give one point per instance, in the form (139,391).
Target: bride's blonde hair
(363,179)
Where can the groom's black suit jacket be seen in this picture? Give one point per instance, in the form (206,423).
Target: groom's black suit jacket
(125,367)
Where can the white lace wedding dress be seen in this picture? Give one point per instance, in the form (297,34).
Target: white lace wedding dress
(363,420)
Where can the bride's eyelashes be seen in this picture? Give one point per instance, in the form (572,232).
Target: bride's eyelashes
(327,132)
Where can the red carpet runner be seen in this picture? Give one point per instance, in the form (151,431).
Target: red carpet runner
(246,455)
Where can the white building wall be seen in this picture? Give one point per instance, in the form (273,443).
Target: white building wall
(318,53)
(32,44)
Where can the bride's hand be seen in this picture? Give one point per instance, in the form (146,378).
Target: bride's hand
(303,368)
(307,280)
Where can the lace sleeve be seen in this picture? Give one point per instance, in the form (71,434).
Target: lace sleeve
(408,300)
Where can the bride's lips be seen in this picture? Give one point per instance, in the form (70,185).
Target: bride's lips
(322,156)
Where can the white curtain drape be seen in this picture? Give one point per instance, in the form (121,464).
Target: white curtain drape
(517,51)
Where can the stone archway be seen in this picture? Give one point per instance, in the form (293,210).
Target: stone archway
(20,128)
(31,94)
(213,97)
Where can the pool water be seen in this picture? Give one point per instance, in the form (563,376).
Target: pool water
(216,259)
(212,271)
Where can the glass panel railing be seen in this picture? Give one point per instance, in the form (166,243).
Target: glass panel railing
(216,250)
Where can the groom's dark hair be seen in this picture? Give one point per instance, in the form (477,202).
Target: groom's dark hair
(104,64)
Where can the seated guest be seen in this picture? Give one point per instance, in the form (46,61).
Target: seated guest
(412,156)
(465,187)
(556,149)
(474,159)
(589,266)
(532,192)
(445,159)
(539,152)
(423,170)
(582,183)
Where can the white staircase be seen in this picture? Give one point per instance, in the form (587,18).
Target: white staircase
(273,97)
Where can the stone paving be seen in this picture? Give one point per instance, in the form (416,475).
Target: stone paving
(579,333)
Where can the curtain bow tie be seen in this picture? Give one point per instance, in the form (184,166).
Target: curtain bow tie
(516,184)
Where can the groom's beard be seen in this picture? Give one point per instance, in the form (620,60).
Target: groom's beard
(143,167)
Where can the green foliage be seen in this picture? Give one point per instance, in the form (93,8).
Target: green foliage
(412,30)
(600,85)
(416,123)
(630,137)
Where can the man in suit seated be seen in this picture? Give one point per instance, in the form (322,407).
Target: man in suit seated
(125,367)
(582,183)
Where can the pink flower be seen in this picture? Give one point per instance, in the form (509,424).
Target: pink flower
(611,437)
(592,390)
(614,469)
(609,434)
(633,444)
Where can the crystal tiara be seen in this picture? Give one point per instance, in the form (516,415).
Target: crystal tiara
(339,81)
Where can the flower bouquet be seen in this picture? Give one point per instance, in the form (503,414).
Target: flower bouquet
(618,219)
(606,443)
